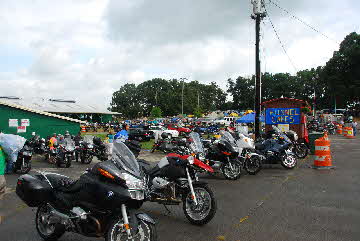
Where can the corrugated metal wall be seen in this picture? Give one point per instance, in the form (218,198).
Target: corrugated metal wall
(40,124)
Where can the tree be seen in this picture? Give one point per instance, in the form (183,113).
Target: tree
(198,112)
(127,101)
(156,112)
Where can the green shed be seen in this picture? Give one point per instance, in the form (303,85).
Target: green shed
(20,120)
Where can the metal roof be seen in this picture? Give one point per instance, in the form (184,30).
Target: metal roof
(57,106)
(40,112)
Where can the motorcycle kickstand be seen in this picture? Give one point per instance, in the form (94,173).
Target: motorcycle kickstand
(168,210)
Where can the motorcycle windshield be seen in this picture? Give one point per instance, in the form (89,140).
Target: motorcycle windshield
(125,159)
(227,137)
(88,139)
(69,144)
(196,143)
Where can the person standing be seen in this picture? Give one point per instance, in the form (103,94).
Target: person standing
(354,126)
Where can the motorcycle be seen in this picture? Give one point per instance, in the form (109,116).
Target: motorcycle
(167,144)
(251,161)
(85,150)
(174,180)
(65,153)
(100,149)
(38,145)
(300,149)
(23,161)
(222,155)
(103,202)
(277,149)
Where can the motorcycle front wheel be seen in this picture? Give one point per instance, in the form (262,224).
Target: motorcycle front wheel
(205,209)
(231,170)
(117,232)
(24,168)
(252,165)
(86,158)
(288,161)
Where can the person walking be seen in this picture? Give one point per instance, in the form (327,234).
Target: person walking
(354,126)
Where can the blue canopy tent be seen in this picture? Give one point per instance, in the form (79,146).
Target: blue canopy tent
(249,118)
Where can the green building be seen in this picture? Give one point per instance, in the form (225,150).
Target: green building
(21,120)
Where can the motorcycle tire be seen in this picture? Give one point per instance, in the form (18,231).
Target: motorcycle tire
(288,161)
(57,231)
(301,150)
(231,176)
(86,159)
(252,165)
(25,170)
(187,202)
(146,231)
(68,163)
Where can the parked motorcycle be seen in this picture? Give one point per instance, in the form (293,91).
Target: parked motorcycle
(38,145)
(101,203)
(251,161)
(85,150)
(100,149)
(168,144)
(65,153)
(277,149)
(23,161)
(222,155)
(174,180)
(300,149)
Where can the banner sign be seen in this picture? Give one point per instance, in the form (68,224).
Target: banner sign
(275,116)
(21,129)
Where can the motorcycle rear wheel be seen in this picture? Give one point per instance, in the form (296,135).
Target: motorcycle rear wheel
(205,210)
(47,231)
(301,150)
(146,232)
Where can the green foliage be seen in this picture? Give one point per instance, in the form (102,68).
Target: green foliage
(156,112)
(198,112)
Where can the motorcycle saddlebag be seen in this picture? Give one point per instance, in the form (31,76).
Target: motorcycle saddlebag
(33,190)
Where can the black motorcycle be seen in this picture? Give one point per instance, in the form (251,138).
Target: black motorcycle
(100,149)
(222,155)
(65,152)
(23,161)
(300,149)
(38,144)
(277,149)
(103,202)
(174,180)
(85,150)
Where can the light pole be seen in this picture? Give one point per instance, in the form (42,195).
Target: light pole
(182,95)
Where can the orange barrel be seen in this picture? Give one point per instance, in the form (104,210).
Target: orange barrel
(322,153)
(339,129)
(345,130)
(83,129)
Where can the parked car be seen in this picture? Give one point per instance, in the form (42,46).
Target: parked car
(178,128)
(158,130)
(138,134)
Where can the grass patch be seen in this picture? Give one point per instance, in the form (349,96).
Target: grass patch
(101,135)
(147,145)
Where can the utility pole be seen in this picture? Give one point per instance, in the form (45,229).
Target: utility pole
(198,105)
(182,96)
(258,15)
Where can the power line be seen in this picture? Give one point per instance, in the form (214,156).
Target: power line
(303,22)
(281,43)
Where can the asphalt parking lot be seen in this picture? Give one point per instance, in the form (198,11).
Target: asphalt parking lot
(276,204)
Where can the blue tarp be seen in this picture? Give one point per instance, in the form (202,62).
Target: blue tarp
(249,118)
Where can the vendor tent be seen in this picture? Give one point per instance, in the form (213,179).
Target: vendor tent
(249,118)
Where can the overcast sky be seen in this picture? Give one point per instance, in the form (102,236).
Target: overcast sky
(87,49)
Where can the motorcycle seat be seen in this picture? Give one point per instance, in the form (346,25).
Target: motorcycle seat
(259,146)
(148,167)
(63,183)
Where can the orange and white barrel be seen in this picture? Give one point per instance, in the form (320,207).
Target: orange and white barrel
(322,153)
(350,133)
(83,129)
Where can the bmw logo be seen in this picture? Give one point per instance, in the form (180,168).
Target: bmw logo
(110,194)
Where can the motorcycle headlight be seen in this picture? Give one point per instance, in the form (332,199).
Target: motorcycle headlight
(191,159)
(133,182)
(90,146)
(26,153)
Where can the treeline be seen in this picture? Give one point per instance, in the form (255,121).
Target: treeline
(336,83)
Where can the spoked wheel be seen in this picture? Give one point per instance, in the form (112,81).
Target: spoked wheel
(232,170)
(205,209)
(301,150)
(47,229)
(117,232)
(253,164)
(288,161)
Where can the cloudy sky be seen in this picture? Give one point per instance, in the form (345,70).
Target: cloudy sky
(86,49)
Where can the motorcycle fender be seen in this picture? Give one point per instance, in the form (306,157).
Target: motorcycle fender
(199,183)
(145,217)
